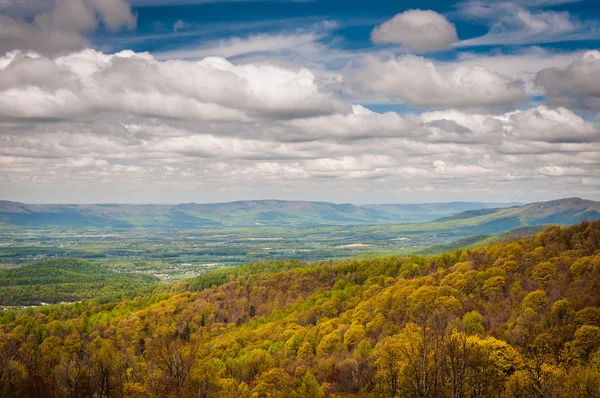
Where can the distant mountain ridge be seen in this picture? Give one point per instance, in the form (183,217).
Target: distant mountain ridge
(485,217)
(239,213)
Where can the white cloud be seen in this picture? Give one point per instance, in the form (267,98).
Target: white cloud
(350,163)
(513,24)
(558,171)
(132,126)
(210,146)
(63,26)
(85,83)
(441,168)
(85,162)
(520,65)
(419,30)
(515,151)
(558,125)
(115,13)
(577,85)
(361,123)
(236,46)
(481,124)
(422,83)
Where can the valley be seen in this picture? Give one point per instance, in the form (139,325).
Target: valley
(173,254)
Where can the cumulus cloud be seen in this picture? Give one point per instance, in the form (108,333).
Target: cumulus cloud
(578,85)
(419,82)
(550,128)
(64,25)
(523,64)
(520,150)
(89,82)
(558,125)
(419,30)
(359,124)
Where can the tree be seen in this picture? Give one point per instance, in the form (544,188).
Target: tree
(273,383)
(354,335)
(544,272)
(473,323)
(536,300)
(587,340)
(174,360)
(310,387)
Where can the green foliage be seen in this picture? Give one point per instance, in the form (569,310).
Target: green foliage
(310,386)
(57,280)
(473,323)
(536,300)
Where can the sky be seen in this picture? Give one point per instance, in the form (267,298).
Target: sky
(379,101)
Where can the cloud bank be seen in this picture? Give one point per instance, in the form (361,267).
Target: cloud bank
(422,83)
(89,82)
(290,114)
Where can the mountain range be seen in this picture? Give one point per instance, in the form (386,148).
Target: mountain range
(481,218)
(240,213)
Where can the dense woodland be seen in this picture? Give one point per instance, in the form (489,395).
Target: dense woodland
(514,319)
(66,280)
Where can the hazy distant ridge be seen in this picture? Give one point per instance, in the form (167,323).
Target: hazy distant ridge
(240,213)
(485,217)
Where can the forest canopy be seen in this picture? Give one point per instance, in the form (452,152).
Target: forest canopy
(66,280)
(520,318)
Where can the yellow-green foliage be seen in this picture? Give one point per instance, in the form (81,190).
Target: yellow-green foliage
(510,319)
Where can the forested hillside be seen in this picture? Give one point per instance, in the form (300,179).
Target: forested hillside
(56,280)
(514,319)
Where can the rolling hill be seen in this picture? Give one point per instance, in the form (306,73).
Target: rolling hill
(563,211)
(241,213)
(57,280)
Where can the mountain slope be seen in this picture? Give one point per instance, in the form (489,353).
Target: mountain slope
(563,211)
(424,212)
(511,319)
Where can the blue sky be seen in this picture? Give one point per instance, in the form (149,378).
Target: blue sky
(355,21)
(344,101)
